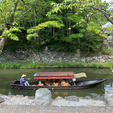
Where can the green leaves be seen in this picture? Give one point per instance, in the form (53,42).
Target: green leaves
(73,36)
(31,36)
(93,27)
(72,24)
(13,36)
(15,29)
(13,32)
(34,30)
(49,24)
(5,9)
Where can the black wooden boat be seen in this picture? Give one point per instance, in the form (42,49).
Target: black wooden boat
(79,85)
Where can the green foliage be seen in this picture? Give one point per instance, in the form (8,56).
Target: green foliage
(60,65)
(85,23)
(15,29)
(69,26)
(13,33)
(13,36)
(32,13)
(109,30)
(0,51)
(31,36)
(93,27)
(107,51)
(55,17)
(50,24)
(72,36)
(33,32)
(6,32)
(5,10)
(91,43)
(44,25)
(80,35)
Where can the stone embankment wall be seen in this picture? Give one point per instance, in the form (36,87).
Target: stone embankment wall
(50,57)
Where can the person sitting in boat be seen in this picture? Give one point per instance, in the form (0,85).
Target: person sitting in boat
(58,81)
(64,83)
(47,82)
(55,84)
(23,80)
(40,83)
(74,81)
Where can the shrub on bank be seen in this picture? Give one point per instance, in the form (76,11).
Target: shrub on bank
(57,65)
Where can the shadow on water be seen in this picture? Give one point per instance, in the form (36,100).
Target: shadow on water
(8,75)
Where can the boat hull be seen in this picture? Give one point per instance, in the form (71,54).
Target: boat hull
(79,85)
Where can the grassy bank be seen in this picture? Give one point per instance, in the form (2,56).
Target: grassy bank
(57,65)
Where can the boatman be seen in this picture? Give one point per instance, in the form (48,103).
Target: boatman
(23,80)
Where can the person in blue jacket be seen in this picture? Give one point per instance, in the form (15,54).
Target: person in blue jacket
(23,80)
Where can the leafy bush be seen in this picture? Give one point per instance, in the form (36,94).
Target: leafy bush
(107,51)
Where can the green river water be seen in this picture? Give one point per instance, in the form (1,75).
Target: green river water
(8,75)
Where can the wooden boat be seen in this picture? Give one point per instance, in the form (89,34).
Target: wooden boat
(57,75)
(79,85)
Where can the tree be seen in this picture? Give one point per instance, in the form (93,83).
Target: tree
(33,13)
(81,4)
(33,32)
(7,12)
(68,29)
(23,15)
(92,8)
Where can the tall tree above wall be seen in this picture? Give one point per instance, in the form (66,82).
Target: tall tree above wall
(81,4)
(7,13)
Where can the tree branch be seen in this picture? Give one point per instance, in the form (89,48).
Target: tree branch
(107,15)
(23,2)
(13,12)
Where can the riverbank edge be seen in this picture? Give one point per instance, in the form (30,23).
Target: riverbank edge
(55,65)
(54,109)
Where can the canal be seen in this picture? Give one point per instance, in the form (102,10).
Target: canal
(8,75)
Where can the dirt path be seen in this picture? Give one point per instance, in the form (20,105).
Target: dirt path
(53,109)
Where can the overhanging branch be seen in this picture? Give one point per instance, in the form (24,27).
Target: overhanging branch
(107,15)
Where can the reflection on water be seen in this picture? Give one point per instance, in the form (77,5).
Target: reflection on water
(8,75)
(64,93)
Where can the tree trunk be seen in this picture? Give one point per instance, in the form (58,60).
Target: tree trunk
(3,39)
(2,43)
